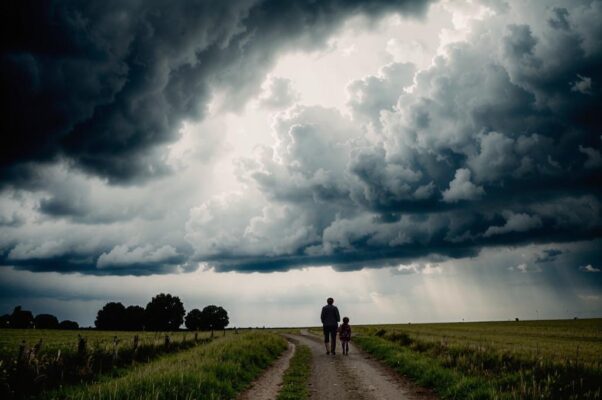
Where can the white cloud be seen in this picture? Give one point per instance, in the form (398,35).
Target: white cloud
(278,93)
(525,268)
(594,158)
(371,95)
(582,85)
(29,250)
(515,222)
(417,268)
(124,256)
(461,188)
(594,298)
(589,268)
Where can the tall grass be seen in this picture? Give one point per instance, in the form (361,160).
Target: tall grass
(461,369)
(32,368)
(448,384)
(218,370)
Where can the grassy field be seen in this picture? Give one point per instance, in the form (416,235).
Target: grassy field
(495,360)
(67,341)
(485,360)
(32,361)
(217,370)
(579,340)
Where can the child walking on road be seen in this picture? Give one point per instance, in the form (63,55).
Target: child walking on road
(345,335)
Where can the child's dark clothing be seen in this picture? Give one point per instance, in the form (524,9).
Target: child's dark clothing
(345,332)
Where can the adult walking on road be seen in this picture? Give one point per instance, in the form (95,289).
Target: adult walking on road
(330,322)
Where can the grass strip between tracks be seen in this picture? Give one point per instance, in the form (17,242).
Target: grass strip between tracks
(296,378)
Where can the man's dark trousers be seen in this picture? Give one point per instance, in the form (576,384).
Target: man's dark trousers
(330,334)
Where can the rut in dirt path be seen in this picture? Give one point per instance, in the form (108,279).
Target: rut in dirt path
(267,386)
(355,376)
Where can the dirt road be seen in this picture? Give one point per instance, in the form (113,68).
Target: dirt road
(355,376)
(352,377)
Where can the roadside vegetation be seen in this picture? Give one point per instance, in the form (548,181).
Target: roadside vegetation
(296,378)
(495,360)
(218,370)
(33,360)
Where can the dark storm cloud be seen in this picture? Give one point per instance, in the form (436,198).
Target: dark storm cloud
(497,144)
(70,261)
(548,255)
(101,88)
(97,258)
(559,18)
(106,84)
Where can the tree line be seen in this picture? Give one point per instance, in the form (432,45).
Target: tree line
(163,313)
(23,319)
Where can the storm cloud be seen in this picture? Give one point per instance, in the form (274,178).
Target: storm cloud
(487,148)
(497,142)
(107,85)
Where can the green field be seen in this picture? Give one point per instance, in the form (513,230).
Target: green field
(559,340)
(495,360)
(67,341)
(482,360)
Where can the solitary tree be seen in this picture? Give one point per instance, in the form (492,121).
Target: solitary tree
(134,318)
(21,319)
(214,318)
(164,313)
(68,325)
(111,317)
(46,321)
(194,320)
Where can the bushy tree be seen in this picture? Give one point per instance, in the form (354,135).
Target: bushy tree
(134,318)
(194,320)
(46,321)
(214,318)
(21,319)
(111,317)
(164,313)
(68,325)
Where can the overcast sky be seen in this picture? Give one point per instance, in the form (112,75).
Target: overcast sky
(416,160)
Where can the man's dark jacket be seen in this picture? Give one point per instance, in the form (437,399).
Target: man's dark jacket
(330,315)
